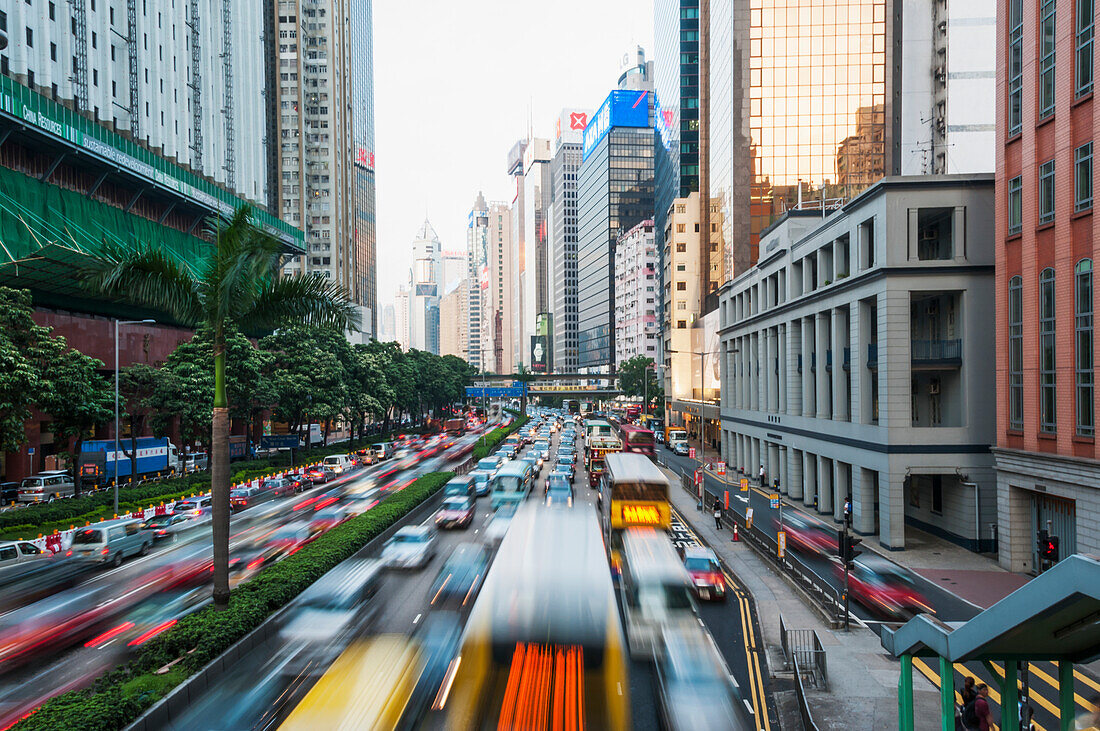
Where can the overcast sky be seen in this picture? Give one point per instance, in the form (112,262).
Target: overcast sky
(454,86)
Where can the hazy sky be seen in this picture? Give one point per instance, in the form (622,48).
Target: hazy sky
(454,86)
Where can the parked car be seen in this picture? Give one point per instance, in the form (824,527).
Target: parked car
(457,511)
(412,546)
(46,486)
(170,526)
(321,474)
(111,542)
(706,573)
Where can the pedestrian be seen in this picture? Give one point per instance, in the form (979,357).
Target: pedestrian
(1026,714)
(981,708)
(763,477)
(717,514)
(965,720)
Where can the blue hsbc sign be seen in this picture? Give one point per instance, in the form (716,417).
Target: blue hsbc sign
(621,109)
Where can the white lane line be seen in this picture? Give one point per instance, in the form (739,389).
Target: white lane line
(417,618)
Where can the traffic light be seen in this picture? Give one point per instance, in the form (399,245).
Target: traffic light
(1048,548)
(852,549)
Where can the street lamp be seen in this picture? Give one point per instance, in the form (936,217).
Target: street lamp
(117,324)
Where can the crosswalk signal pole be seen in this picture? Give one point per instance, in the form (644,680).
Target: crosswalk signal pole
(847,564)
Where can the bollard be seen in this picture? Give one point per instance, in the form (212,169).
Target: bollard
(736,535)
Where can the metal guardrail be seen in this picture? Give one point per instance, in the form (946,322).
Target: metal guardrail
(937,350)
(803,706)
(802,649)
(827,598)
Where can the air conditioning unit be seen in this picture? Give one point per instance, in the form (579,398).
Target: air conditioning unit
(934,386)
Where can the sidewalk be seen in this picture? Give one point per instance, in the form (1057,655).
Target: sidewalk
(863,679)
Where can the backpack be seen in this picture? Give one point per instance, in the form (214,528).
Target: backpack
(969,714)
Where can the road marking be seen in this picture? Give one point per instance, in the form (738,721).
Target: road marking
(417,618)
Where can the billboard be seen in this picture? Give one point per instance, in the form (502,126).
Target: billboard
(540,354)
(569,127)
(622,108)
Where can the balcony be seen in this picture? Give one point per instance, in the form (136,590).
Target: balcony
(937,352)
(872,356)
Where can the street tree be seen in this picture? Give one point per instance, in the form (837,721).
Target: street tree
(638,378)
(24,353)
(237,283)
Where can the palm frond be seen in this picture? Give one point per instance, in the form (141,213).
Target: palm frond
(146,276)
(307,299)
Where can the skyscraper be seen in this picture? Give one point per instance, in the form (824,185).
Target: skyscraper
(615,192)
(425,289)
(636,293)
(364,230)
(317,183)
(454,315)
(518,257)
(477,277)
(387,324)
(534,281)
(562,247)
(402,316)
(496,313)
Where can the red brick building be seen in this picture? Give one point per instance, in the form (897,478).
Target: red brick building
(1047,457)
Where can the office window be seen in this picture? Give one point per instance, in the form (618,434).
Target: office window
(1048,418)
(1082,177)
(1086,419)
(1015,205)
(1015,353)
(1015,65)
(681,286)
(1085,22)
(1046,58)
(1046,191)
(30,38)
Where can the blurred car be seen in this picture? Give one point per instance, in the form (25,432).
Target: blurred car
(111,541)
(462,485)
(200,505)
(245,497)
(457,511)
(807,535)
(321,474)
(361,498)
(459,580)
(681,448)
(659,437)
(277,486)
(327,517)
(706,573)
(498,525)
(884,587)
(566,463)
(489,464)
(559,490)
(412,546)
(170,526)
(481,482)
(300,482)
(365,457)
(695,689)
(14,553)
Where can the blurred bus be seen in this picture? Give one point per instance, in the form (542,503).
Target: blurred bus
(636,492)
(543,647)
(657,591)
(637,439)
(596,451)
(369,686)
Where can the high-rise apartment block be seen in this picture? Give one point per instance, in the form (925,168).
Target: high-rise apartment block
(477,277)
(1047,455)
(454,315)
(185,80)
(497,316)
(314,134)
(562,248)
(615,192)
(637,293)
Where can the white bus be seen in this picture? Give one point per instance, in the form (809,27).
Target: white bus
(657,590)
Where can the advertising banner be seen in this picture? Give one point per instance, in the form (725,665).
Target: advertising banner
(622,108)
(540,354)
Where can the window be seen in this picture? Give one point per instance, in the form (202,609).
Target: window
(681,324)
(1015,354)
(1046,191)
(680,228)
(681,286)
(30,38)
(1082,177)
(1015,205)
(1086,420)
(1048,419)
(681,248)
(1084,46)
(1015,65)
(53,51)
(1046,58)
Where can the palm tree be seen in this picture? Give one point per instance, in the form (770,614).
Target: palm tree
(238,283)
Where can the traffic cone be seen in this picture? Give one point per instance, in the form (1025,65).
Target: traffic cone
(736,535)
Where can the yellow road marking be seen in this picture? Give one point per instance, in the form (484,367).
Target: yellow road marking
(1086,680)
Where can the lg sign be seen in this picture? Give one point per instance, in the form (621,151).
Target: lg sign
(578,120)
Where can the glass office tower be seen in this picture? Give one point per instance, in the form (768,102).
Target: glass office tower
(615,192)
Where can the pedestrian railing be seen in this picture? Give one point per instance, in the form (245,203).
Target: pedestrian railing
(803,652)
(803,706)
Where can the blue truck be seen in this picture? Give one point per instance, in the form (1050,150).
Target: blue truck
(154,455)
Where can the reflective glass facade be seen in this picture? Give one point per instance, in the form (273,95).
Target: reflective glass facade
(615,193)
(364,232)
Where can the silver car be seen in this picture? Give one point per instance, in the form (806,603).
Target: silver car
(111,542)
(20,552)
(410,547)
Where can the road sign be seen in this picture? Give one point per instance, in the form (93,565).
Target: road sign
(698,477)
(727,497)
(691,452)
(494,391)
(30,451)
(279,441)
(781,537)
(748,518)
(773,500)
(721,469)
(744,484)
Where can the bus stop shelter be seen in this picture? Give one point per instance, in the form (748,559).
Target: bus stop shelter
(1055,618)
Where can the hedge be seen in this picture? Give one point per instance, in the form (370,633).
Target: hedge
(44,518)
(119,697)
(486,445)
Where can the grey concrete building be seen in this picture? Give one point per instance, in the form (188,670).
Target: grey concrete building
(857,359)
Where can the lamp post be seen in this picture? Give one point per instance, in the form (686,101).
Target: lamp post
(117,324)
